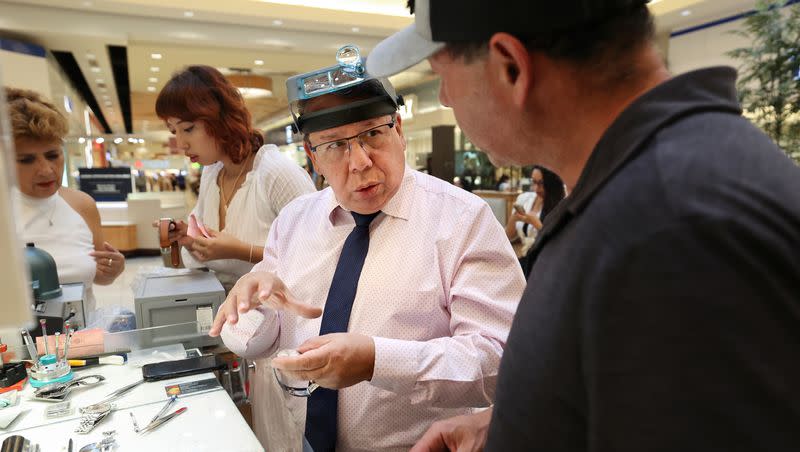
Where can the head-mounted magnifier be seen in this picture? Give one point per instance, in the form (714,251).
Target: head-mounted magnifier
(376,95)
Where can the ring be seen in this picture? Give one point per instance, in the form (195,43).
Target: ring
(110,261)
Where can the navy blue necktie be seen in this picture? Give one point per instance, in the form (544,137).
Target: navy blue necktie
(322,404)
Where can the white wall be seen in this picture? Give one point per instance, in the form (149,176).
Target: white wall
(704,48)
(20,70)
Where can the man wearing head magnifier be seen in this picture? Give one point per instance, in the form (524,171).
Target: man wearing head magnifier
(389,294)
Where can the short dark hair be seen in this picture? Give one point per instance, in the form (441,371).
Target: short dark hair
(589,46)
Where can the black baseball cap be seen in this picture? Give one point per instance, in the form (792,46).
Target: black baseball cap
(439,21)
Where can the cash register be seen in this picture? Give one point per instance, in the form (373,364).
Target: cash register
(184,296)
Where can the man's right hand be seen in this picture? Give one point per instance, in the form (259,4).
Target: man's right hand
(256,289)
(457,434)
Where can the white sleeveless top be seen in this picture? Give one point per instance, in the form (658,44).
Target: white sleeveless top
(52,225)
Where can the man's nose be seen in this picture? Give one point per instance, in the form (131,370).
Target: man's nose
(359,156)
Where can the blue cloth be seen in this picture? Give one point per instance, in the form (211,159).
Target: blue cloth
(322,404)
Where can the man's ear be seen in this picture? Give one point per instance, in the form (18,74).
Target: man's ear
(511,66)
(312,156)
(399,126)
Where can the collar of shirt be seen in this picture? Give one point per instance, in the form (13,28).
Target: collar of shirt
(712,89)
(398,206)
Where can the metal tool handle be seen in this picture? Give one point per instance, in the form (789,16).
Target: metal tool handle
(26,337)
(43,324)
(165,409)
(58,336)
(164,420)
(68,331)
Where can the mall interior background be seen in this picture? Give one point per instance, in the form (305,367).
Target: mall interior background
(103,63)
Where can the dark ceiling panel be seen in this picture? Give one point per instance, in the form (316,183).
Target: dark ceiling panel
(70,67)
(118,56)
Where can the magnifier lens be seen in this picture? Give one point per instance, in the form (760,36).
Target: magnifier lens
(349,57)
(316,83)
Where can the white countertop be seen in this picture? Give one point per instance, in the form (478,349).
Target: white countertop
(211,423)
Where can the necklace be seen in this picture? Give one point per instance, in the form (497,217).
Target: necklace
(225,200)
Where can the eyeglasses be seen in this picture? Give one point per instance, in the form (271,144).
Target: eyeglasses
(538,182)
(372,139)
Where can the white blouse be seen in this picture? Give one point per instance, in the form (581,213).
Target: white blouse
(526,200)
(273,182)
(54,226)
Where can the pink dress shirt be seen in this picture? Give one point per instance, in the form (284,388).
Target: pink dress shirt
(438,291)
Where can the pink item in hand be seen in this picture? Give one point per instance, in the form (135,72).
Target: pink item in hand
(196,228)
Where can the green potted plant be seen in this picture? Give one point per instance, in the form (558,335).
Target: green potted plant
(769,76)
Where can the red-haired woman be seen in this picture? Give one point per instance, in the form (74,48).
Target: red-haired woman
(244,184)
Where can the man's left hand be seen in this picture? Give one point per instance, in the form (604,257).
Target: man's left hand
(333,361)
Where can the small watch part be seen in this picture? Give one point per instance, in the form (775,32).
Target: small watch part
(93,415)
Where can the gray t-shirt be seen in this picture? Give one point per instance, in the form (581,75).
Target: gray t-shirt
(663,308)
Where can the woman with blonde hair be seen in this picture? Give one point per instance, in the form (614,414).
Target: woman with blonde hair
(62,221)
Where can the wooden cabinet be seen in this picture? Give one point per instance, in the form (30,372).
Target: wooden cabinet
(121,235)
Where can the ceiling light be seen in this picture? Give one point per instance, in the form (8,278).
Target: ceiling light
(259,62)
(131,140)
(252,86)
(99,140)
(152,80)
(152,89)
(685,12)
(95,69)
(90,56)
(155,69)
(117,140)
(355,29)
(99,80)
(155,56)
(188,14)
(277,22)
(141,140)
(81,140)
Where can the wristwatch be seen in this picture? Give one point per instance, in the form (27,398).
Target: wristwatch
(92,415)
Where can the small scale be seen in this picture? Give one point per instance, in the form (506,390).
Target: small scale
(49,368)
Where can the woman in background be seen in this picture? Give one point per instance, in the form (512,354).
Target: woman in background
(244,184)
(62,221)
(531,208)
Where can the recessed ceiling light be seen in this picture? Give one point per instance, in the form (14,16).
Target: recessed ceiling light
(355,29)
(155,56)
(90,56)
(96,69)
(685,12)
(188,13)
(141,140)
(152,80)
(131,140)
(117,140)
(99,80)
(81,140)
(152,89)
(99,140)
(259,62)
(277,22)
(155,69)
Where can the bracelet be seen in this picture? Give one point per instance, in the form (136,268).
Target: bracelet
(250,259)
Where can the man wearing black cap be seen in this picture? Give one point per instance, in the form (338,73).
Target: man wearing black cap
(663,307)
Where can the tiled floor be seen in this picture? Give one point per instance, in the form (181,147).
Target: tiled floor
(120,293)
